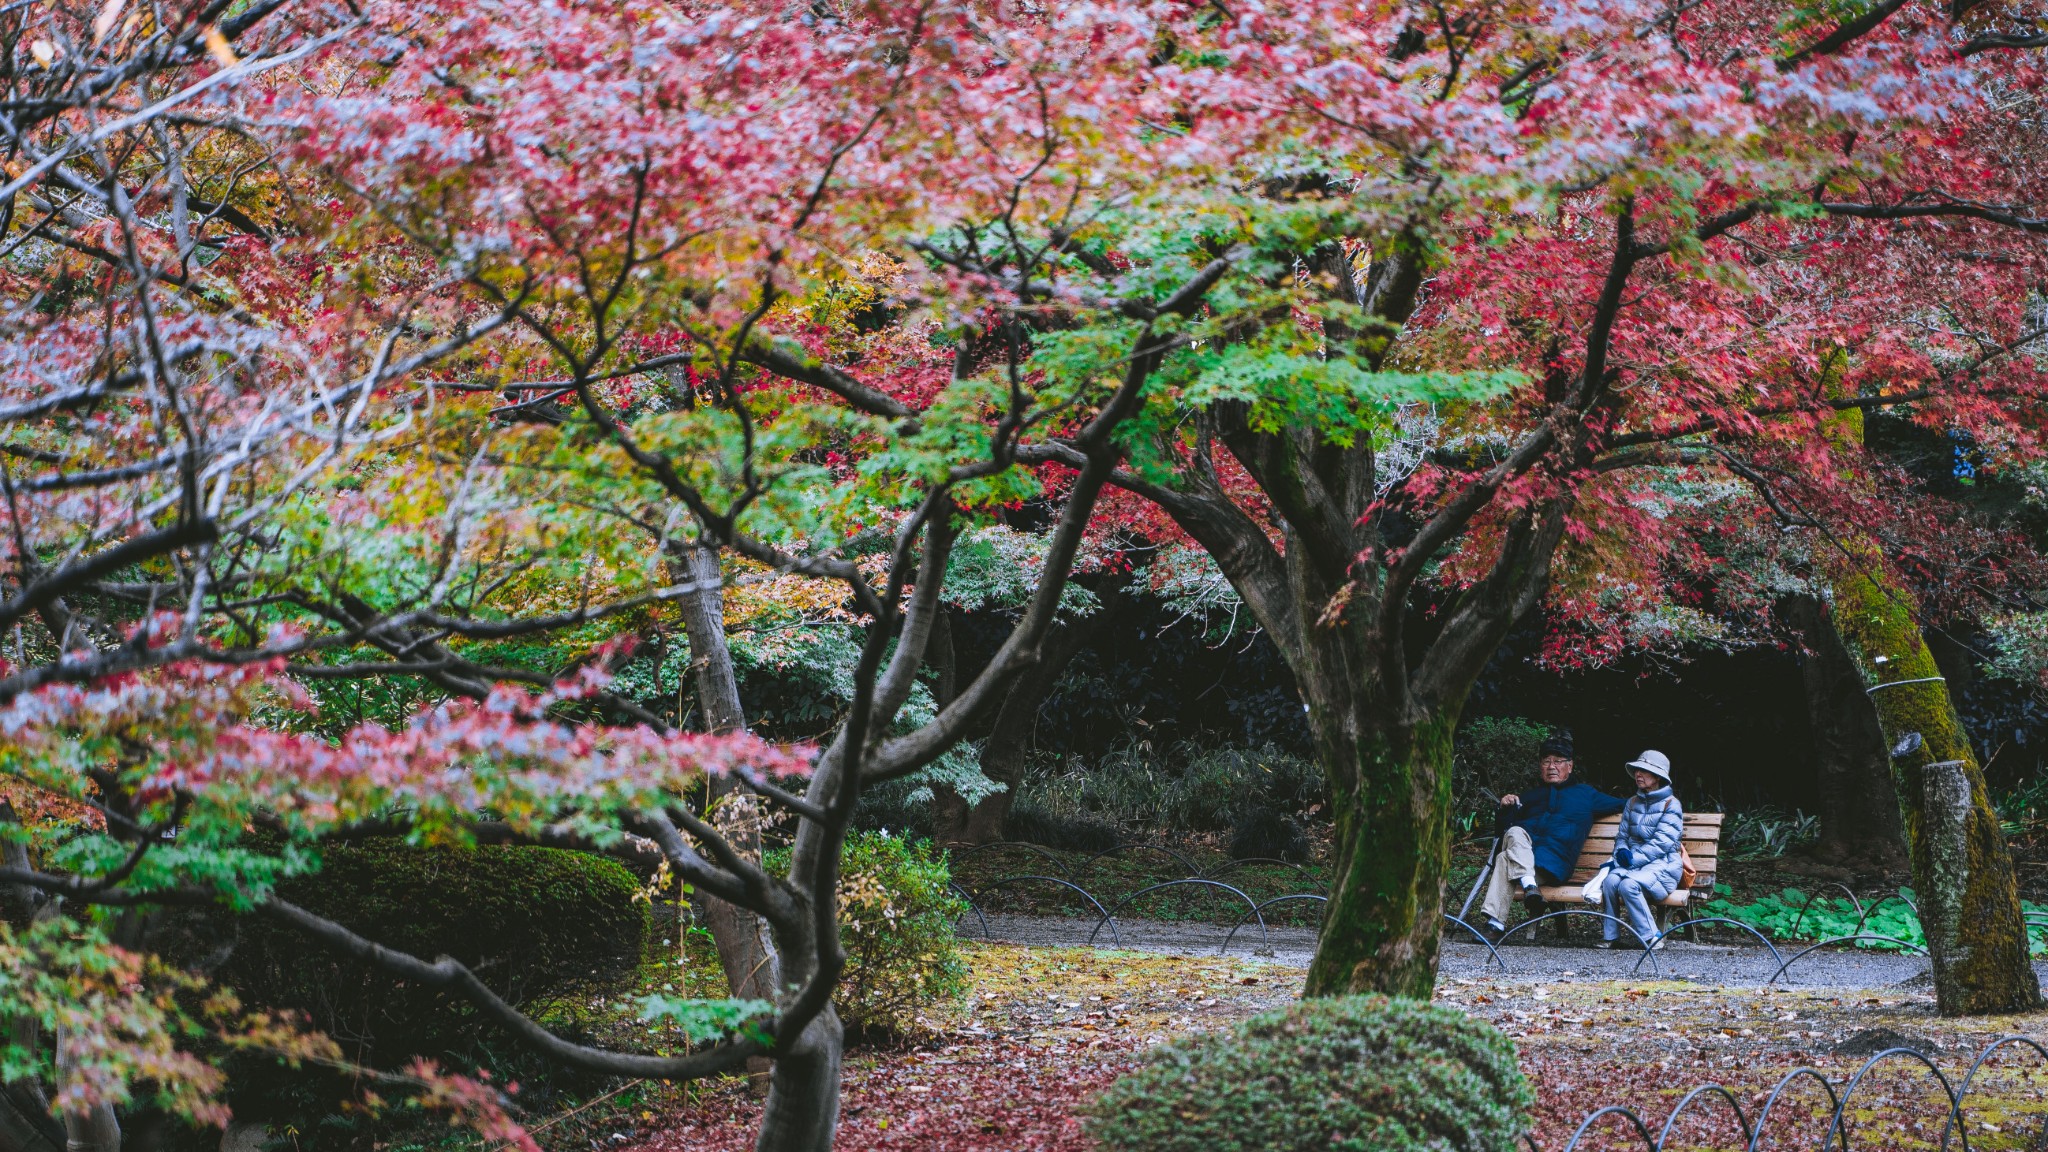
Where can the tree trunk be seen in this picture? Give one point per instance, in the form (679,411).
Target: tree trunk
(743,950)
(803,1092)
(1962,869)
(1392,796)
(1859,809)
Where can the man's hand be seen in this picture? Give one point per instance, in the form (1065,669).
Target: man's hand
(1511,801)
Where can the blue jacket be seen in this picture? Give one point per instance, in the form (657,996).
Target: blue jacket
(1557,820)
(1652,824)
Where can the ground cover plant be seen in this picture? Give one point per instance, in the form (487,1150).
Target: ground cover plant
(1793,914)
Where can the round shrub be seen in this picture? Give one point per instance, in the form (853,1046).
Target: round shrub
(896,919)
(1352,1074)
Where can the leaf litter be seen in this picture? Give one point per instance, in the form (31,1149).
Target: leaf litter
(1044,1029)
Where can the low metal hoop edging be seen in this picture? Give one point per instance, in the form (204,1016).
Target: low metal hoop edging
(1085,895)
(1963,1092)
(1612,1110)
(1712,920)
(1261,909)
(1741,1121)
(1926,1061)
(1763,1118)
(1183,861)
(1037,849)
(1109,916)
(1481,937)
(1808,906)
(1881,901)
(1842,940)
(1658,968)
(1228,866)
(969,897)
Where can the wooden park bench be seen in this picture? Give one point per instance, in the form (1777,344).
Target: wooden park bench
(1702,841)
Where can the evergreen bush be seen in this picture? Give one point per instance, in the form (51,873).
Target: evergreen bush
(1351,1074)
(539,925)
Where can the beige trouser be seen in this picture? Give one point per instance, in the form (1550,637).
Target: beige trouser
(1515,859)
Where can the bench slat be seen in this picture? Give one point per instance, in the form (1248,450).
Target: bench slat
(1570,895)
(1702,839)
(1605,845)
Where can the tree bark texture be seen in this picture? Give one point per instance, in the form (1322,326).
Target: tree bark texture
(1962,868)
(1393,848)
(802,1112)
(1859,809)
(21,1130)
(737,933)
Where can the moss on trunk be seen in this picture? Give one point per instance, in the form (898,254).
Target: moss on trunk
(1969,903)
(1393,842)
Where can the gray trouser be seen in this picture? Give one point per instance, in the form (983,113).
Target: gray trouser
(1515,859)
(1629,895)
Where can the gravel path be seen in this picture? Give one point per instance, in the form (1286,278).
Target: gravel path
(1718,964)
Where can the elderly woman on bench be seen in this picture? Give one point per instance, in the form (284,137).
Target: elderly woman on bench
(1646,865)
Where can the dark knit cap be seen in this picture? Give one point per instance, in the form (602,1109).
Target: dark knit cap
(1558,744)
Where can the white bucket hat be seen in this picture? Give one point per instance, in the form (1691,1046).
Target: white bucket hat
(1655,763)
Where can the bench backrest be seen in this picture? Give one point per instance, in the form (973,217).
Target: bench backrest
(1702,842)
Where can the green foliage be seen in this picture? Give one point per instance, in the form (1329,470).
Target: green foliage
(1184,788)
(896,919)
(1767,832)
(999,568)
(1495,754)
(703,1020)
(1350,1074)
(537,924)
(1796,915)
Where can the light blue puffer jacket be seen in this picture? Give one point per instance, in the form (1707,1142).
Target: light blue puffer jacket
(1652,824)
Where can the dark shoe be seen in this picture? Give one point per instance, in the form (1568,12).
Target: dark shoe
(1532,903)
(1490,931)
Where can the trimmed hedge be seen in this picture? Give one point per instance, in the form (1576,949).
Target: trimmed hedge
(539,925)
(1351,1074)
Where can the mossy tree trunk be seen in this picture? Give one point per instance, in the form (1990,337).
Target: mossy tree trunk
(1962,868)
(1393,850)
(1859,809)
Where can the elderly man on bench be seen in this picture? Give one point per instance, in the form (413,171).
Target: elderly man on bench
(1542,831)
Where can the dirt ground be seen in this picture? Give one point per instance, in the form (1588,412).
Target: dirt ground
(1047,1027)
